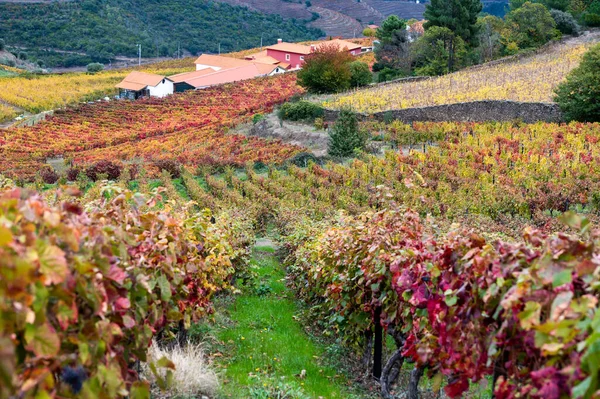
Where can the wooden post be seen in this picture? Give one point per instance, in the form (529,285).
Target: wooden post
(378,347)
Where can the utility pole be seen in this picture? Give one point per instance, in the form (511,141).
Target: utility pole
(219,48)
(261,41)
(139,54)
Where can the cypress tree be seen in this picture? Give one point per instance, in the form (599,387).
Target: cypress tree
(346,135)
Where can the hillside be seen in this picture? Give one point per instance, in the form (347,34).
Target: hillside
(521,78)
(104,29)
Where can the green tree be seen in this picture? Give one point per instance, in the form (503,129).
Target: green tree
(390,25)
(346,135)
(459,16)
(579,95)
(95,67)
(490,31)
(432,52)
(327,70)
(368,32)
(394,53)
(565,22)
(360,74)
(530,26)
(561,5)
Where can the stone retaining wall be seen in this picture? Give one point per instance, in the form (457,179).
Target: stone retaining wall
(477,111)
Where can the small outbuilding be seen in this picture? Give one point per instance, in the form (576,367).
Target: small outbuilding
(142,84)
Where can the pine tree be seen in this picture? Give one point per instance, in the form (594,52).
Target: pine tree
(346,135)
(460,16)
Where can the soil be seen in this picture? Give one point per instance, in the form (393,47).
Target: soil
(296,133)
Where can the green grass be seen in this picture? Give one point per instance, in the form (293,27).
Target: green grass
(267,354)
(4,73)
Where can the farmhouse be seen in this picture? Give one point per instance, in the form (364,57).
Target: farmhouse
(208,77)
(294,53)
(141,84)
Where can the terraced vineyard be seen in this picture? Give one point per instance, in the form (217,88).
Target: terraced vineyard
(528,79)
(189,127)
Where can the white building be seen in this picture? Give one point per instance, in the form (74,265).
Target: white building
(141,84)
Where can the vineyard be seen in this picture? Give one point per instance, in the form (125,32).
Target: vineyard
(188,127)
(39,93)
(460,244)
(528,79)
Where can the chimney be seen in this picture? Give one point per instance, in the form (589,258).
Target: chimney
(313,48)
(279,41)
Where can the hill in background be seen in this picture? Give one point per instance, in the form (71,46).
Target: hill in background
(100,30)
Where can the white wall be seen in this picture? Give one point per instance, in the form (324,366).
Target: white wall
(200,67)
(163,89)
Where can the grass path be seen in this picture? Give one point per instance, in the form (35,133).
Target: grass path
(266,353)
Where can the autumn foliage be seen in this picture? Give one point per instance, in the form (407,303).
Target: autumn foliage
(83,292)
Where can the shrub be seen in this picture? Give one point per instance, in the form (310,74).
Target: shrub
(565,22)
(346,135)
(300,111)
(170,166)
(591,19)
(360,74)
(111,170)
(95,67)
(327,70)
(73,174)
(257,118)
(8,62)
(100,283)
(387,74)
(49,176)
(578,96)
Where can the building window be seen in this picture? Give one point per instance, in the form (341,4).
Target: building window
(287,57)
(301,58)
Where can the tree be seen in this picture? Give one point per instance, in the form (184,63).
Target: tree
(490,28)
(565,22)
(368,32)
(529,26)
(561,5)
(2,45)
(360,74)
(390,25)
(432,52)
(459,16)
(346,135)
(579,95)
(94,67)
(395,52)
(327,70)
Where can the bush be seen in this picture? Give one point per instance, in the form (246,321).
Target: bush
(301,111)
(49,176)
(387,74)
(578,95)
(257,118)
(591,19)
(565,22)
(170,166)
(109,169)
(73,174)
(95,67)
(8,62)
(327,70)
(101,283)
(346,136)
(360,74)
(529,26)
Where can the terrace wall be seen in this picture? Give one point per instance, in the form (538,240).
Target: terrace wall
(476,111)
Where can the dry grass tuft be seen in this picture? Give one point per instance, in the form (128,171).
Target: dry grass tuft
(193,375)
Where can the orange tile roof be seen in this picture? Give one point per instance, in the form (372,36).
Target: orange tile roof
(182,77)
(265,60)
(418,27)
(341,44)
(139,80)
(260,54)
(220,61)
(290,48)
(227,76)
(265,69)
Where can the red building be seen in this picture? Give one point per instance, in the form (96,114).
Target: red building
(294,54)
